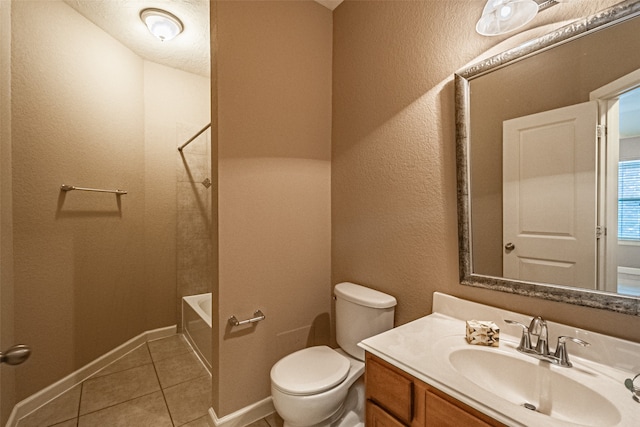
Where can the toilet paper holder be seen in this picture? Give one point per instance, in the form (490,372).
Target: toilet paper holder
(257,316)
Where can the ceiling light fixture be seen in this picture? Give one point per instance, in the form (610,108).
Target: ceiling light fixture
(161,23)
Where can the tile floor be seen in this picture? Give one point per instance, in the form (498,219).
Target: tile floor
(160,383)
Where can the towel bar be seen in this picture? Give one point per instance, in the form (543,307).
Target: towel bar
(64,187)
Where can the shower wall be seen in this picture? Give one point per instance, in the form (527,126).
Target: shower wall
(91,270)
(194,190)
(177,106)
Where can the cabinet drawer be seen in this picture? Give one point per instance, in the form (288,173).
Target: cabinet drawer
(390,388)
(378,417)
(444,411)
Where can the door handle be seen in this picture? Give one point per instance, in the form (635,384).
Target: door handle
(509,246)
(15,355)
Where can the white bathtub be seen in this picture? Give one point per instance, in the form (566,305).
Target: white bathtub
(196,324)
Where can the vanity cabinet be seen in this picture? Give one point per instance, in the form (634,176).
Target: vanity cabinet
(396,399)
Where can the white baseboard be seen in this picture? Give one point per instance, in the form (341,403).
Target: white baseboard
(244,416)
(46,395)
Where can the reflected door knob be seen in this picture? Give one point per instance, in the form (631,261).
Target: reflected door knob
(509,246)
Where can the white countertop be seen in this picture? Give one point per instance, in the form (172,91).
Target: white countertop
(422,347)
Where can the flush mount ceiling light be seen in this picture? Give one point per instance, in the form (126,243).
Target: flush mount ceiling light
(503,16)
(161,23)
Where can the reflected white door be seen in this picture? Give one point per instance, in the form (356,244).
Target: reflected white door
(549,196)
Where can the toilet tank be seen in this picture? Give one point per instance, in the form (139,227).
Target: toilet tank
(361,313)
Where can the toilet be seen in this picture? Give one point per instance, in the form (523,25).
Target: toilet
(320,386)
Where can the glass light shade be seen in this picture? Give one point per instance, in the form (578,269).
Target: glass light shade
(503,16)
(161,24)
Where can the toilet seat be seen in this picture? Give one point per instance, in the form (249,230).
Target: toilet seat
(310,371)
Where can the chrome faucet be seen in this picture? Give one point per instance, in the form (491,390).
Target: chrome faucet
(538,328)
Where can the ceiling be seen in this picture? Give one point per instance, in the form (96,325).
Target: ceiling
(189,51)
(330,4)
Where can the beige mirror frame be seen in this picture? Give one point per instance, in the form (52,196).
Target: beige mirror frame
(596,299)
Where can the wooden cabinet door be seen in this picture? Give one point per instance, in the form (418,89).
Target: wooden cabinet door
(378,417)
(390,388)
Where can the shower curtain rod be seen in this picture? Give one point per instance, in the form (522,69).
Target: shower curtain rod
(194,137)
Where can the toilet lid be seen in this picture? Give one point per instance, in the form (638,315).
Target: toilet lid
(310,371)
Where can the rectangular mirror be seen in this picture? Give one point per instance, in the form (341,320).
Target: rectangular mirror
(548,149)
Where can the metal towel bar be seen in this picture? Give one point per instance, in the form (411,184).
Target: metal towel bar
(258,316)
(64,187)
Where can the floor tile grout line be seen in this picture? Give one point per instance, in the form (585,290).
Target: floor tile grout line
(207,374)
(172,355)
(80,402)
(94,377)
(34,411)
(62,421)
(125,401)
(175,385)
(190,349)
(164,397)
(191,353)
(184,344)
(119,403)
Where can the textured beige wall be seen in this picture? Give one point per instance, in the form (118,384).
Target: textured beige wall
(91,270)
(7,373)
(393,163)
(77,119)
(274,100)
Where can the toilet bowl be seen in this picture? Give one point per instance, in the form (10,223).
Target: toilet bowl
(320,386)
(325,390)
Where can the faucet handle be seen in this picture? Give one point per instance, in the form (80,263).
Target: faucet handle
(525,340)
(561,351)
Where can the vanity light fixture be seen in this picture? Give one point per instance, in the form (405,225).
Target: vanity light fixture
(161,23)
(503,16)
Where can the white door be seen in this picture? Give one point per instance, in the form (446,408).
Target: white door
(549,196)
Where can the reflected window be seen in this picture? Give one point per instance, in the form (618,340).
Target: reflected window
(629,200)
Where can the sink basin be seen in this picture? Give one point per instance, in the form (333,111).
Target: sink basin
(535,385)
